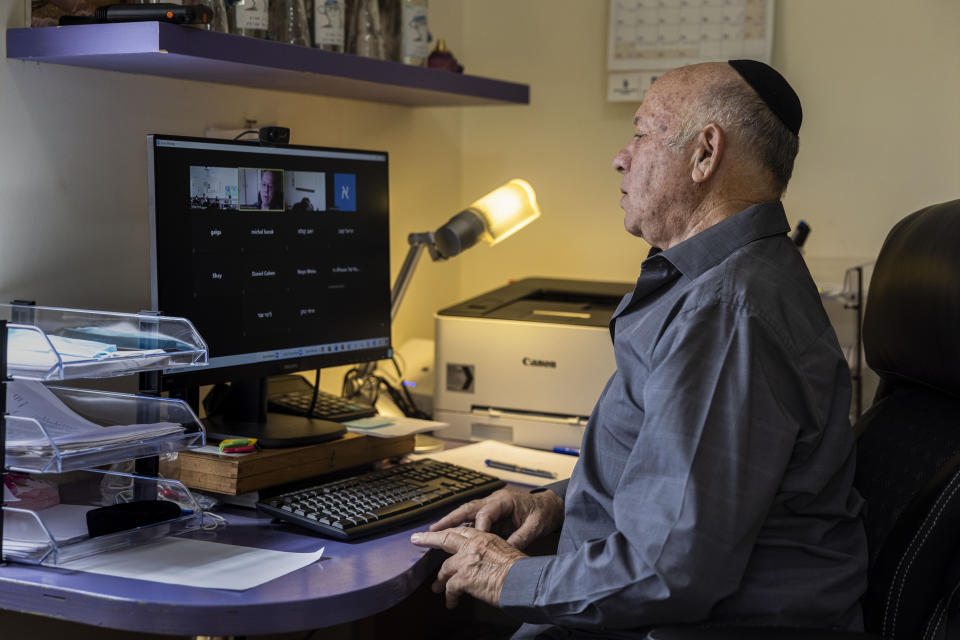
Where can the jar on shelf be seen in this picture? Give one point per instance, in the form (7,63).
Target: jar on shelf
(366,32)
(415,34)
(219,21)
(288,22)
(390,13)
(329,25)
(250,18)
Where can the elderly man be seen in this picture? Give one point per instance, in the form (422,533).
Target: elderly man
(715,477)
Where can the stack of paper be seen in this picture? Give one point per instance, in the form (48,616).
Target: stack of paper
(29,352)
(23,535)
(64,428)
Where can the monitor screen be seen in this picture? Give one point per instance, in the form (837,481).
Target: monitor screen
(278,254)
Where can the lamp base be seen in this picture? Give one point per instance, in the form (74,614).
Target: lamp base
(426,444)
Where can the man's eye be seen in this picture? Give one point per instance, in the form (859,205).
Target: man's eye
(637,136)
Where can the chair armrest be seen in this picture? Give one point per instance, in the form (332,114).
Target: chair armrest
(754,633)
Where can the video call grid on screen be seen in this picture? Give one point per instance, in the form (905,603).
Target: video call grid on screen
(271,251)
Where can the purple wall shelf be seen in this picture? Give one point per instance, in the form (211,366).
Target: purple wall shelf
(163,49)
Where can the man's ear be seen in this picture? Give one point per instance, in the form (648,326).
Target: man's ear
(708,148)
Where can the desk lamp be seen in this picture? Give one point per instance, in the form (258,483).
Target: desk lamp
(492,218)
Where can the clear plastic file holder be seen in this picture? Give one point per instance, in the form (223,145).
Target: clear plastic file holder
(101,428)
(50,343)
(56,534)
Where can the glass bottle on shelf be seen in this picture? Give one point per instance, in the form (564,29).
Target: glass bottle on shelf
(368,37)
(390,29)
(220,22)
(288,22)
(329,24)
(415,33)
(250,18)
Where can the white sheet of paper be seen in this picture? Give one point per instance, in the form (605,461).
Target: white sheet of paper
(391,427)
(70,431)
(22,534)
(474,456)
(197,563)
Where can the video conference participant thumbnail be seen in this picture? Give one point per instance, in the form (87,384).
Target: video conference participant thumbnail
(261,189)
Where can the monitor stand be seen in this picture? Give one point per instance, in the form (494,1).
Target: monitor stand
(244,415)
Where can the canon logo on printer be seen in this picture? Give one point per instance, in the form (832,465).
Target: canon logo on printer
(533,362)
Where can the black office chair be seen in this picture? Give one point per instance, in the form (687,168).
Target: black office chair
(909,441)
(908,448)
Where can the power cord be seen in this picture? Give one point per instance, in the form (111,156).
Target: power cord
(415,412)
(367,387)
(212,521)
(357,384)
(247,132)
(316,391)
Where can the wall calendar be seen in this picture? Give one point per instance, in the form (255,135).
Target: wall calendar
(648,37)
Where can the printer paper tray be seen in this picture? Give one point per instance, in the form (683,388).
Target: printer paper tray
(515,414)
(541,431)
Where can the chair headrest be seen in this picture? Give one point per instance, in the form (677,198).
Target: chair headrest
(911,324)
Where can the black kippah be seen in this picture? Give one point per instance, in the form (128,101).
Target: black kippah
(774,89)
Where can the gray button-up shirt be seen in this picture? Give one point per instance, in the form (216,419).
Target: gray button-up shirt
(715,479)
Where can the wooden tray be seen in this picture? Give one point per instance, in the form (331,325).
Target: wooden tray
(234,475)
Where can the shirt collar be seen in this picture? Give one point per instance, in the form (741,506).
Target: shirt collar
(711,246)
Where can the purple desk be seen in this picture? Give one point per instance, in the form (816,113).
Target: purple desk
(352,581)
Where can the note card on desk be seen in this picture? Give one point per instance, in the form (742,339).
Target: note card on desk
(475,456)
(391,426)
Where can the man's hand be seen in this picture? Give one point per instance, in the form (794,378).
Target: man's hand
(478,566)
(525,516)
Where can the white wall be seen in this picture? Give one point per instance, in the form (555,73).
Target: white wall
(880,86)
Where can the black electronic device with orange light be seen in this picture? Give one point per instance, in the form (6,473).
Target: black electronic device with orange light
(163,11)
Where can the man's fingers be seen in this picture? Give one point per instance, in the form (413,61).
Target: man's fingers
(487,516)
(448,540)
(463,513)
(523,535)
(446,572)
(447,584)
(452,598)
(454,588)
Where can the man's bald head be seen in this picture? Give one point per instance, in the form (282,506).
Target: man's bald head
(715,92)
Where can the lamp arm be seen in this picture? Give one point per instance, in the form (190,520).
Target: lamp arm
(417,243)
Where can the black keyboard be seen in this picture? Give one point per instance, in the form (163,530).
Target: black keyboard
(328,407)
(377,500)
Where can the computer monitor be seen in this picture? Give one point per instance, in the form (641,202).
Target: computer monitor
(279,255)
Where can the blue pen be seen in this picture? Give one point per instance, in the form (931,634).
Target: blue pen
(506,466)
(570,451)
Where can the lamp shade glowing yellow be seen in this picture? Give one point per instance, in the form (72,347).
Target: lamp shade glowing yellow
(506,210)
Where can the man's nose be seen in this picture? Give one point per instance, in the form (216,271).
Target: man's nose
(621,161)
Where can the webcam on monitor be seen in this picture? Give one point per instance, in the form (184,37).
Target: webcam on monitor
(274,135)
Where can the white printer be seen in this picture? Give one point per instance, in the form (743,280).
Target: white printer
(525,363)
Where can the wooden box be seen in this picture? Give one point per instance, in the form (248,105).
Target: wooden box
(234,475)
